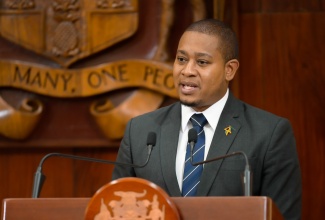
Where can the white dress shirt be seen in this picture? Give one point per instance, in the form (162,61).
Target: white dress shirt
(212,114)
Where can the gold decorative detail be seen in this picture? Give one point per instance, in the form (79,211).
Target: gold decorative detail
(228,130)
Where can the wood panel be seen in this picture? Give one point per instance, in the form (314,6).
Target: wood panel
(64,177)
(283,72)
(272,6)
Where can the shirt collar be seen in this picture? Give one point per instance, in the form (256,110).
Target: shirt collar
(212,114)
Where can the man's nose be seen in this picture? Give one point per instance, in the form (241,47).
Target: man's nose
(189,69)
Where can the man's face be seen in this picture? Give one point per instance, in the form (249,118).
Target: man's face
(200,72)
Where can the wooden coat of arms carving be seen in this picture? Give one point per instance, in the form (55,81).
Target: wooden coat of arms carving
(68,30)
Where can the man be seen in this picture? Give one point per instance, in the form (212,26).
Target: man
(206,61)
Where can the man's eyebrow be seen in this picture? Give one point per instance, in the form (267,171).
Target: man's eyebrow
(196,54)
(181,52)
(203,55)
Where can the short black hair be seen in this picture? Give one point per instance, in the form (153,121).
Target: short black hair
(229,44)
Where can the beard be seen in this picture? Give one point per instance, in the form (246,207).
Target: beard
(197,105)
(189,104)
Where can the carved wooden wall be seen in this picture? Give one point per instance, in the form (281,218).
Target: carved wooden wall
(73,72)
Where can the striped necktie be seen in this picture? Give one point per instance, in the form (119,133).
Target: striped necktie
(192,174)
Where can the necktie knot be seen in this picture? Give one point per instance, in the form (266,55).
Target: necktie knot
(198,120)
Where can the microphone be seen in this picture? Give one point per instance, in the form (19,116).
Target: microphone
(247,180)
(39,178)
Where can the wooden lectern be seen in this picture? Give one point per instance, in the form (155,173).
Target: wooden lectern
(133,198)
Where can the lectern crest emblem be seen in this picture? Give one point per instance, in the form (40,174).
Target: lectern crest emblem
(68,30)
(130,207)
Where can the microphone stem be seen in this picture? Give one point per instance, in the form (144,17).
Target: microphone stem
(39,177)
(247,178)
(93,159)
(247,172)
(221,157)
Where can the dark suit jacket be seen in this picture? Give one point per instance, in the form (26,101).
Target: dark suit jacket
(267,140)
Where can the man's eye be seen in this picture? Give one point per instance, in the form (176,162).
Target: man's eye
(202,62)
(181,59)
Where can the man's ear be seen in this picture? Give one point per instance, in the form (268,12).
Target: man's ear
(231,68)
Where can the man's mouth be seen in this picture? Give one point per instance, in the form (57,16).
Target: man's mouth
(188,84)
(188,87)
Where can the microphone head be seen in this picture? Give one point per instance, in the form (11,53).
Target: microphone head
(192,135)
(151,139)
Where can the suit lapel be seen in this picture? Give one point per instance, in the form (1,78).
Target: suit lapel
(168,149)
(221,144)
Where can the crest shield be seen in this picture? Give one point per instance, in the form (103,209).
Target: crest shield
(68,30)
